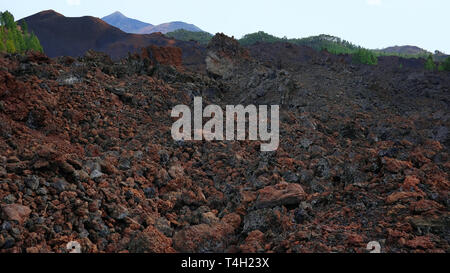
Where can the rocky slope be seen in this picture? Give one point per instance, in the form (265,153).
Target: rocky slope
(86,155)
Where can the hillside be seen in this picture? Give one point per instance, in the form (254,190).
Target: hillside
(124,23)
(331,43)
(337,45)
(185,35)
(405,50)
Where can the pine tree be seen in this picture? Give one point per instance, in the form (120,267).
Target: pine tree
(2,34)
(10,48)
(35,44)
(15,40)
(374,59)
(445,65)
(7,20)
(19,42)
(430,65)
(24,27)
(364,56)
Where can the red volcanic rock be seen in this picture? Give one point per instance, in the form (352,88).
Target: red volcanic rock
(400,196)
(227,47)
(46,151)
(151,240)
(355,240)
(253,243)
(280,195)
(163,55)
(16,212)
(7,83)
(224,54)
(37,57)
(233,219)
(395,166)
(206,237)
(410,183)
(85,146)
(176,171)
(425,205)
(423,242)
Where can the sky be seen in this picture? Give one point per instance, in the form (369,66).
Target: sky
(369,23)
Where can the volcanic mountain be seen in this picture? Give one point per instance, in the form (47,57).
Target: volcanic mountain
(124,23)
(73,36)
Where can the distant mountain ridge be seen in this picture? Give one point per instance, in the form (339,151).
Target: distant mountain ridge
(337,45)
(131,25)
(170,27)
(405,50)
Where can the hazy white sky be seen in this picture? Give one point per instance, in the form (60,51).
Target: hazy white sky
(369,23)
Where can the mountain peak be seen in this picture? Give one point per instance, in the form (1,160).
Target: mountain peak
(49,12)
(117,13)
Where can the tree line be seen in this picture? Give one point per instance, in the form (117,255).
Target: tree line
(16,38)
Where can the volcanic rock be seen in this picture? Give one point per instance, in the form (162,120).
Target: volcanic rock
(280,195)
(16,212)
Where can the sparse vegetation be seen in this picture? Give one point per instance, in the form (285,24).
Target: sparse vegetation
(185,35)
(16,38)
